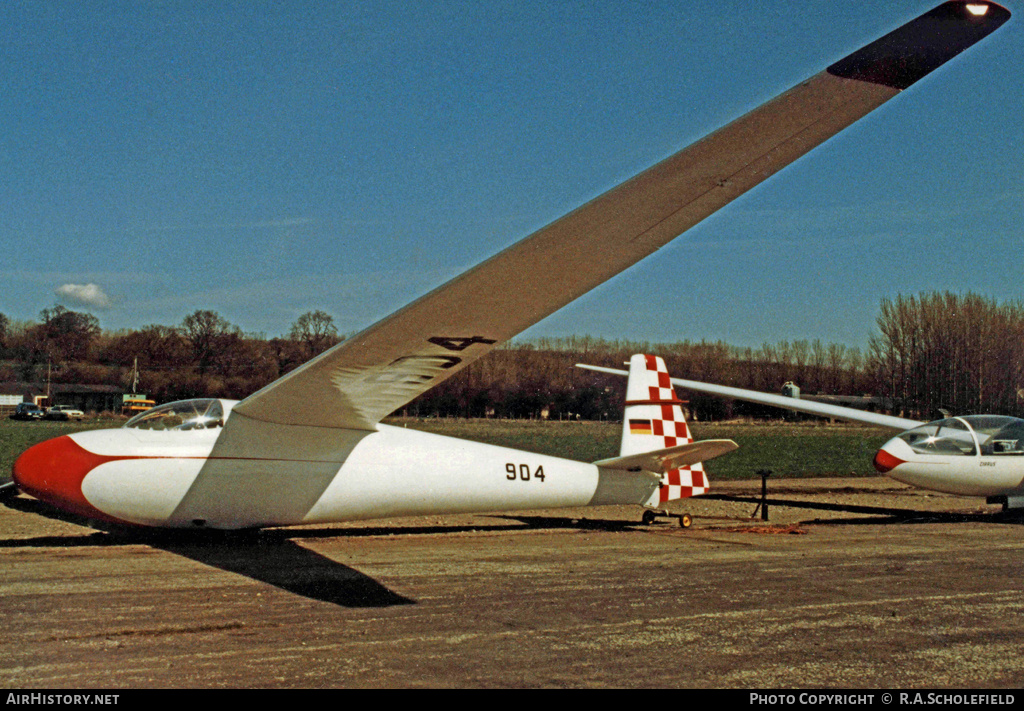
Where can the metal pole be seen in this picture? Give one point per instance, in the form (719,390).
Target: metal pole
(764,474)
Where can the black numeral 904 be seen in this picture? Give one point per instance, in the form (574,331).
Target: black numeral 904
(522,472)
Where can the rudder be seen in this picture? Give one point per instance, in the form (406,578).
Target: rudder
(653,420)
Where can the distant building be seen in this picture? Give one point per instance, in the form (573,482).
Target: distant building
(88,398)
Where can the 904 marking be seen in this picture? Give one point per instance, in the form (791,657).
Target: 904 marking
(522,472)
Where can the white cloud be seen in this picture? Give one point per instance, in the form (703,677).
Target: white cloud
(84,295)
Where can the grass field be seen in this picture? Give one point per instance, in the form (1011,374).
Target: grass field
(787,450)
(16,437)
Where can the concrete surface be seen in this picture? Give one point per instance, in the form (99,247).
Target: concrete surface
(913,590)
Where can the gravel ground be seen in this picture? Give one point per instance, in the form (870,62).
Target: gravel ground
(897,589)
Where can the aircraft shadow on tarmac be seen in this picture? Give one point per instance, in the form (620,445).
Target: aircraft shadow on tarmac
(268,556)
(285,564)
(555,522)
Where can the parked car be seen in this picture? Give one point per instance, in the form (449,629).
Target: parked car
(27,411)
(64,412)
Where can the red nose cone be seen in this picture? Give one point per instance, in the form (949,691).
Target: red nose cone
(885,462)
(52,471)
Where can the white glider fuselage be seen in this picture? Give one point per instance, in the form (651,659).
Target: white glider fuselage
(976,475)
(149,477)
(974,455)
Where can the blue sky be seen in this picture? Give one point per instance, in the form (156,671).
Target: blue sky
(266,159)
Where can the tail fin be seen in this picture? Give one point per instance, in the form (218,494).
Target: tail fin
(653,420)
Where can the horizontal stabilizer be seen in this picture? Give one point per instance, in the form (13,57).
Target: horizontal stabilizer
(665,460)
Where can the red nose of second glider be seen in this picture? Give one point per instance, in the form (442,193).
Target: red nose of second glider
(885,462)
(52,471)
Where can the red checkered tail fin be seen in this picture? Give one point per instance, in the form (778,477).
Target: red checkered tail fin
(653,425)
(653,417)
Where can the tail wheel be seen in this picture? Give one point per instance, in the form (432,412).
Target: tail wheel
(647,518)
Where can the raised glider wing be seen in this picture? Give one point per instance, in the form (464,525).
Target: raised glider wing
(973,455)
(309,447)
(809,407)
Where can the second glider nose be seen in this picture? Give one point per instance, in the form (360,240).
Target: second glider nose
(52,471)
(885,462)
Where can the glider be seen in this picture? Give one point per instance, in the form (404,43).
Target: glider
(310,447)
(973,455)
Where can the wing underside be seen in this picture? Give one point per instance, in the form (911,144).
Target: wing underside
(368,376)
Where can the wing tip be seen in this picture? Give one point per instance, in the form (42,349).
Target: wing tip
(922,45)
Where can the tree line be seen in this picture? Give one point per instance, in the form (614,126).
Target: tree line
(963,353)
(204,356)
(959,353)
(526,378)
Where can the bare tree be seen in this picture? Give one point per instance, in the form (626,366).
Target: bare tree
(66,335)
(315,331)
(209,334)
